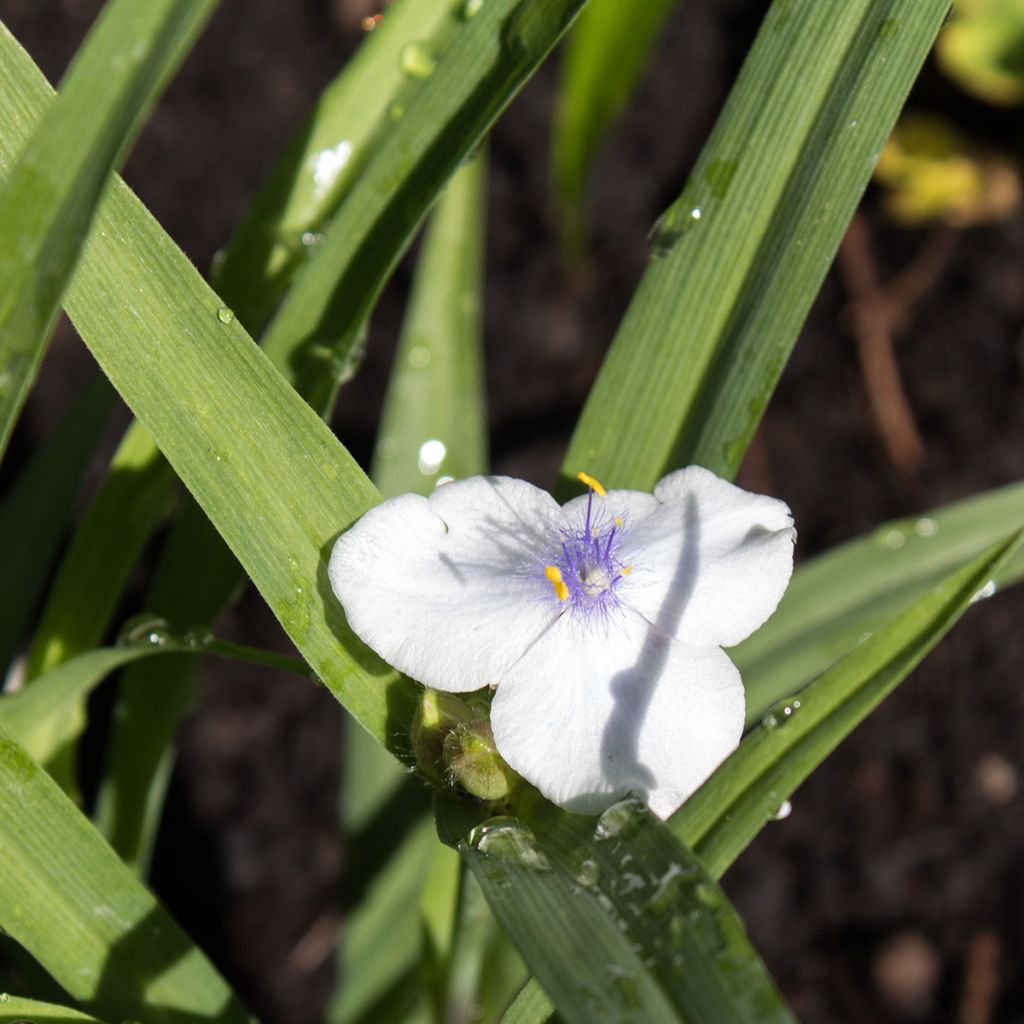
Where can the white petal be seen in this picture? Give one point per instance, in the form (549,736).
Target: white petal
(587,717)
(447,588)
(712,562)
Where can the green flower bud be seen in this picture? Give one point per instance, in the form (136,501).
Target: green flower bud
(474,763)
(437,715)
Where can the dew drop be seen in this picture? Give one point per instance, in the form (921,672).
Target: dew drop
(784,810)
(509,841)
(926,527)
(589,874)
(431,455)
(894,539)
(986,592)
(621,820)
(781,712)
(419,356)
(4,997)
(719,176)
(695,213)
(312,239)
(327,164)
(145,630)
(225,315)
(470,8)
(417,60)
(888,28)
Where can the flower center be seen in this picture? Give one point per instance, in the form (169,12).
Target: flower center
(587,570)
(596,580)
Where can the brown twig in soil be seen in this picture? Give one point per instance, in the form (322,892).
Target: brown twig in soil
(981,979)
(872,325)
(316,945)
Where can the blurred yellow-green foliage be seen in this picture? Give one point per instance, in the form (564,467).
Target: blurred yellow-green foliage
(931,171)
(982,49)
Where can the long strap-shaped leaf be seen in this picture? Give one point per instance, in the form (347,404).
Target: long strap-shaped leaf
(48,715)
(737,260)
(49,197)
(601,60)
(277,237)
(15,1010)
(137,495)
(725,814)
(323,160)
(433,420)
(34,512)
(617,919)
(459,86)
(268,472)
(68,899)
(722,817)
(838,598)
(435,393)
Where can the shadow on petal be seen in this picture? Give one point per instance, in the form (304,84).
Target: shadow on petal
(633,688)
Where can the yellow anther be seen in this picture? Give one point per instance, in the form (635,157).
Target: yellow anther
(554,575)
(618,521)
(626,570)
(594,485)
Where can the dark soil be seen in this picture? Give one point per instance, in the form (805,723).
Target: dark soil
(895,890)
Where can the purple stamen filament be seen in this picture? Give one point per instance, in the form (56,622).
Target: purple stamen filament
(586,574)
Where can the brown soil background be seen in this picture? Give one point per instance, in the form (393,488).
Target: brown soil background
(894,890)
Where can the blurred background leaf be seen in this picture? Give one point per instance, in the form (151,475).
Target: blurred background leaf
(982,49)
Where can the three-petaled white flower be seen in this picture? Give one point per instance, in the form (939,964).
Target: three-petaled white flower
(601,622)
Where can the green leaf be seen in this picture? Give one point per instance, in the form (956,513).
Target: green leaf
(722,817)
(738,258)
(433,421)
(602,58)
(435,392)
(68,900)
(840,597)
(981,48)
(616,918)
(136,495)
(298,196)
(50,714)
(33,514)
(458,82)
(382,934)
(321,163)
(48,199)
(15,1010)
(530,1006)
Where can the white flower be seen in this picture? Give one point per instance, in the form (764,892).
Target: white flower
(601,622)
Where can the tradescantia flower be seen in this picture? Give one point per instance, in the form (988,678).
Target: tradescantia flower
(601,622)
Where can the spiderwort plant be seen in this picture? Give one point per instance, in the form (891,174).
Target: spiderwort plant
(578,647)
(599,623)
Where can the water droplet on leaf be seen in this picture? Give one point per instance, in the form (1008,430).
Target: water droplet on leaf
(781,712)
(926,527)
(145,630)
(621,820)
(225,315)
(417,60)
(510,841)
